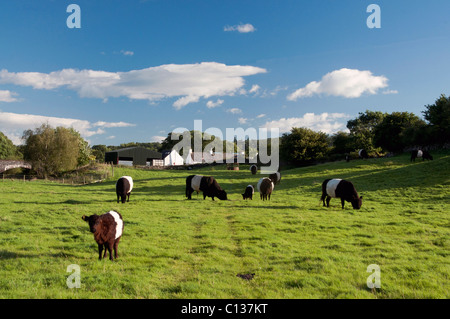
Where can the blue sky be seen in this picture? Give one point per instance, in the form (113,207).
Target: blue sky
(136,70)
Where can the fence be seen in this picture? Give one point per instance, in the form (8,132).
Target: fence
(73,180)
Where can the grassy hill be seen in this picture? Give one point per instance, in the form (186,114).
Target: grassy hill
(174,248)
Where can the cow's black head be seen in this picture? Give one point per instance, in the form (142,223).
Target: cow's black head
(91,220)
(357,203)
(222,195)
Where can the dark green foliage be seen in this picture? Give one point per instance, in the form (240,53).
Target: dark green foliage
(391,135)
(7,148)
(53,150)
(438,115)
(303,146)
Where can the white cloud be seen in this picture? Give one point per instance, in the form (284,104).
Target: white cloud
(211,104)
(242,120)
(390,92)
(13,125)
(8,96)
(255,89)
(261,116)
(187,82)
(348,83)
(234,110)
(157,138)
(326,122)
(129,53)
(241,28)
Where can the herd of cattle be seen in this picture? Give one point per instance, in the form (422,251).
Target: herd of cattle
(108,228)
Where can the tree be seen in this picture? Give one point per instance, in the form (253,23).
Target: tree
(51,151)
(391,133)
(342,143)
(438,116)
(99,152)
(7,148)
(362,129)
(303,146)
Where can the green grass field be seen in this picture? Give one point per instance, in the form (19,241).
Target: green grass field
(174,248)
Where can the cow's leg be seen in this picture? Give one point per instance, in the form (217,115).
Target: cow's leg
(342,202)
(110,249)
(118,198)
(328,201)
(204,196)
(128,195)
(106,249)
(100,249)
(116,244)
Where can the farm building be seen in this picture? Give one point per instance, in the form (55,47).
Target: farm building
(133,156)
(172,158)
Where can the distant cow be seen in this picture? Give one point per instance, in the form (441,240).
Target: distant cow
(249,191)
(107,230)
(363,154)
(420,154)
(275,178)
(254,169)
(265,188)
(124,186)
(206,184)
(339,188)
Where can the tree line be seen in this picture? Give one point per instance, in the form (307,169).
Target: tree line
(53,151)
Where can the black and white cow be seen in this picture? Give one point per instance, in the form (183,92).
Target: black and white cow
(124,186)
(425,155)
(339,188)
(265,188)
(275,178)
(249,191)
(254,169)
(206,184)
(363,154)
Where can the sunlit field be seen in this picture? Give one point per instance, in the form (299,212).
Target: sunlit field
(175,248)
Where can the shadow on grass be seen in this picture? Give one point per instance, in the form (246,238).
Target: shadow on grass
(4,254)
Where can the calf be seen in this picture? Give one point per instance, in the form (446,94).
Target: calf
(421,154)
(206,184)
(124,186)
(265,188)
(275,178)
(254,169)
(339,188)
(249,191)
(107,229)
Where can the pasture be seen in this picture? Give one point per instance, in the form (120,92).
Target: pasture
(175,248)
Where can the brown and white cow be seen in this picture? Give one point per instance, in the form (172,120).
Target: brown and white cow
(124,186)
(265,188)
(339,188)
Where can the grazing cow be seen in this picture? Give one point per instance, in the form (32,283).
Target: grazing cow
(275,178)
(124,186)
(107,229)
(421,154)
(254,169)
(339,188)
(363,154)
(249,191)
(206,184)
(265,188)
